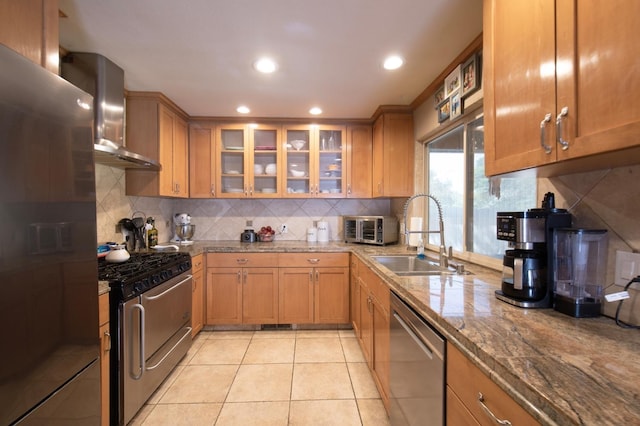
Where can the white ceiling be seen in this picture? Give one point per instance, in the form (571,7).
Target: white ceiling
(199,53)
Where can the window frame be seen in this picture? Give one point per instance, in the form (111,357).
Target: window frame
(470,116)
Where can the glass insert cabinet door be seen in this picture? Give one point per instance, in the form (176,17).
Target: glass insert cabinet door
(265,160)
(313,159)
(249,160)
(231,148)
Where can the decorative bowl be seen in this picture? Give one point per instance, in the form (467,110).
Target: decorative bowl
(270,169)
(297,173)
(266,238)
(297,144)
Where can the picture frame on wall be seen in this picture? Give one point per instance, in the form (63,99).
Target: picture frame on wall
(438,97)
(455,108)
(444,111)
(470,76)
(452,82)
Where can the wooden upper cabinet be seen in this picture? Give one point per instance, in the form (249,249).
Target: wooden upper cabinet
(156,128)
(557,102)
(393,155)
(202,161)
(519,83)
(30,27)
(359,162)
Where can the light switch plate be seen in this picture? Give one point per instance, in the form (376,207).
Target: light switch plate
(627,268)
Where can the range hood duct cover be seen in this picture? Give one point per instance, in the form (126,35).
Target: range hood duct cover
(104,80)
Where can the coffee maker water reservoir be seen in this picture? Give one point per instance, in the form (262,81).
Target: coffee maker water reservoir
(580,263)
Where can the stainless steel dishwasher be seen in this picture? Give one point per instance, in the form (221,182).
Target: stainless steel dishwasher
(416,375)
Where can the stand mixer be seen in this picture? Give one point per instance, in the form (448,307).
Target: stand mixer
(183,229)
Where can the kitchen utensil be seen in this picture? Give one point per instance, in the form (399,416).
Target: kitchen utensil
(117,254)
(139,231)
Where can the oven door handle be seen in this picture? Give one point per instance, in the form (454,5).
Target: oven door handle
(158,296)
(139,307)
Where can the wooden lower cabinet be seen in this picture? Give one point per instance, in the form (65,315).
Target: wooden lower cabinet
(105,350)
(465,382)
(197,304)
(295,292)
(374,327)
(354,296)
(269,294)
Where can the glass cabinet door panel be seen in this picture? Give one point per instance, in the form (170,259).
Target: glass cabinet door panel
(232,139)
(265,161)
(231,146)
(298,160)
(330,157)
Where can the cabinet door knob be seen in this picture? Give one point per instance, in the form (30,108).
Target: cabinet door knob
(543,125)
(213,190)
(490,413)
(563,143)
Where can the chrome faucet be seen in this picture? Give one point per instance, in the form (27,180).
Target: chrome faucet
(443,257)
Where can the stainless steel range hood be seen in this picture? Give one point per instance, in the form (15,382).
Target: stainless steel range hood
(103,79)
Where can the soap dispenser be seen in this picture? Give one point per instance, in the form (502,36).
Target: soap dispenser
(421,249)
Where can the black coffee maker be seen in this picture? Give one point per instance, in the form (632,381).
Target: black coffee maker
(527,274)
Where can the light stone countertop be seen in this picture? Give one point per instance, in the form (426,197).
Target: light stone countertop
(562,370)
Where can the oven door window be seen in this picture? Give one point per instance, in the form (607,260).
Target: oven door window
(368,230)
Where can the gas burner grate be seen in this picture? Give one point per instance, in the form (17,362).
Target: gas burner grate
(142,271)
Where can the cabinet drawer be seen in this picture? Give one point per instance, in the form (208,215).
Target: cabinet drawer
(255,260)
(197,262)
(467,382)
(320,260)
(103,308)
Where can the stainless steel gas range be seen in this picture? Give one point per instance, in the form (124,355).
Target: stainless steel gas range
(150,307)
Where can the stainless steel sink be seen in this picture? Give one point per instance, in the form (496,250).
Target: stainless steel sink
(405,265)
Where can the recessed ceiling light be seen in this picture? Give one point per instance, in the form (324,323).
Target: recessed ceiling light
(265,65)
(242,109)
(393,62)
(315,111)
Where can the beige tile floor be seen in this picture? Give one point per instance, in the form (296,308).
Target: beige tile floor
(282,377)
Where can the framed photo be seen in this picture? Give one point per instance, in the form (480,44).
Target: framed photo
(438,97)
(470,76)
(455,110)
(452,82)
(444,111)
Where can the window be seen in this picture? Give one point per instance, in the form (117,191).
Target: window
(470,200)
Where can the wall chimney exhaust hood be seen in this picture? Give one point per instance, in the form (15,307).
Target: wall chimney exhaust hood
(104,80)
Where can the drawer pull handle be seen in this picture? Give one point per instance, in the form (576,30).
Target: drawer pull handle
(242,261)
(490,413)
(313,260)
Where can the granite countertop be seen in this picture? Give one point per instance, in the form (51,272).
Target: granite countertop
(562,370)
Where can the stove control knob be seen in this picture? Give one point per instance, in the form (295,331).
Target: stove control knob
(164,275)
(155,278)
(138,287)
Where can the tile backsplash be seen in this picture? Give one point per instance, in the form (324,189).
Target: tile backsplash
(222,219)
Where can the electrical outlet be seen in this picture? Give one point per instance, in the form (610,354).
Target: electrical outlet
(284,228)
(627,268)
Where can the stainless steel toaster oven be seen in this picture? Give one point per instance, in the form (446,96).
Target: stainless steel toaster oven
(378,230)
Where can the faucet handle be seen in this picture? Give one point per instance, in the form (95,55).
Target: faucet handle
(450,252)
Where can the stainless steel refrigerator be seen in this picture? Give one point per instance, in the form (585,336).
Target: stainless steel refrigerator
(49,344)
